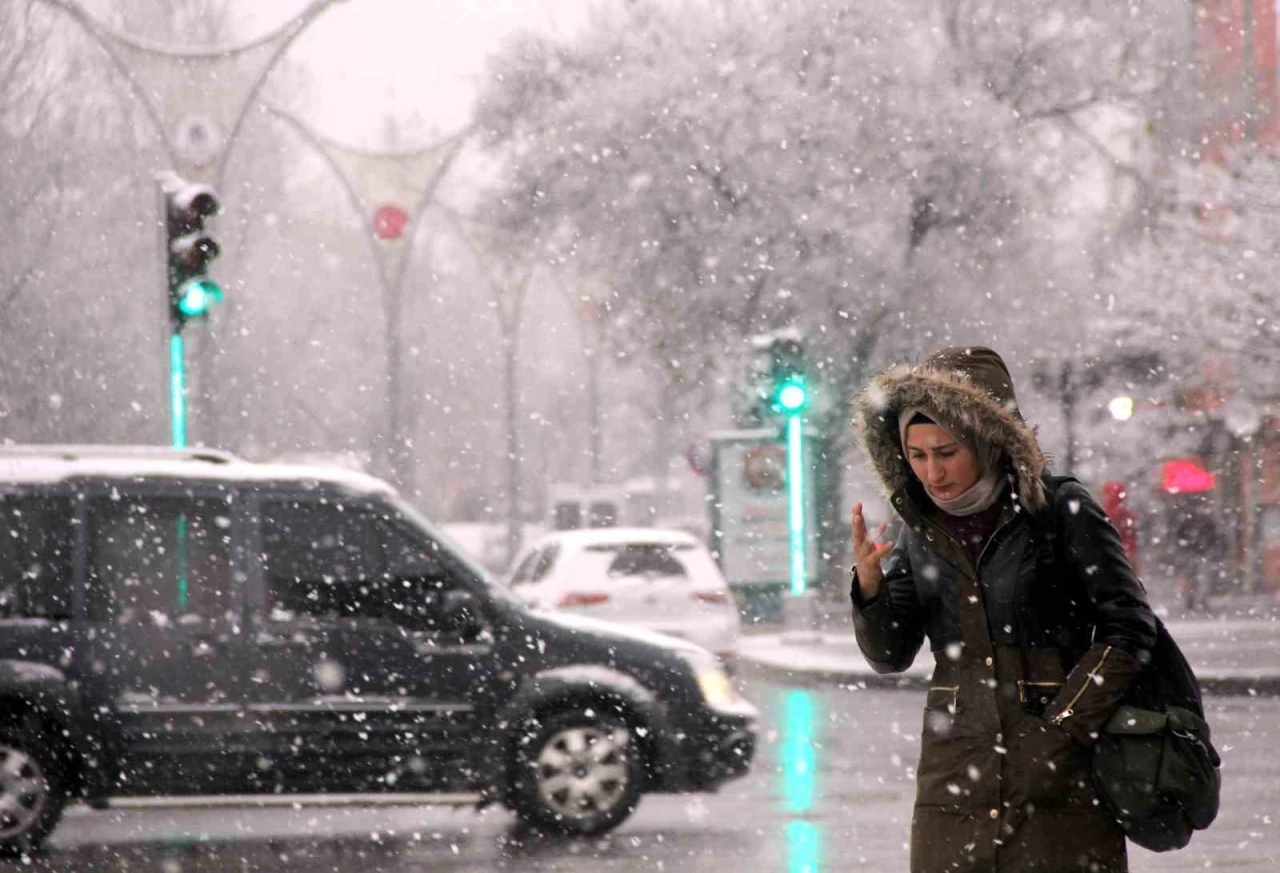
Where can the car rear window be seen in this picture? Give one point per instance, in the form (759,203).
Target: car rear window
(643,559)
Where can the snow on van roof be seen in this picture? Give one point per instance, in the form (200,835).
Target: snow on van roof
(614,535)
(55,463)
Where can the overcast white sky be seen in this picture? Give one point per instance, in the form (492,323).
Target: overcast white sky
(419,60)
(416,60)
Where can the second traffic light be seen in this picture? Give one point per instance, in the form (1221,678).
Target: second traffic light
(189,248)
(777,381)
(789,382)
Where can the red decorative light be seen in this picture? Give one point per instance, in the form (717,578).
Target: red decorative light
(1184,476)
(389,221)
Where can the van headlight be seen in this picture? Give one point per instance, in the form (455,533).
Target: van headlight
(717,690)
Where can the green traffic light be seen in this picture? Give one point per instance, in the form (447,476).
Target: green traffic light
(792,397)
(197,297)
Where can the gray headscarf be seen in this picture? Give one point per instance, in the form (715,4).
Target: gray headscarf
(983,493)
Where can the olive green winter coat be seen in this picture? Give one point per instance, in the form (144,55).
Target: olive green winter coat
(1033,647)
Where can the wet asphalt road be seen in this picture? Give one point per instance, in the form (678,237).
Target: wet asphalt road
(830,791)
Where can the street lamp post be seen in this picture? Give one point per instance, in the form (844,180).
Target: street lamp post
(508,297)
(593,411)
(389,190)
(590,321)
(1068,397)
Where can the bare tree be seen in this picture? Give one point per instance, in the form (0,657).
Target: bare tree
(883,184)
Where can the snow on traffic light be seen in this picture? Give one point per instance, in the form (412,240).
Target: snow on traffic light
(777,380)
(189,248)
(789,378)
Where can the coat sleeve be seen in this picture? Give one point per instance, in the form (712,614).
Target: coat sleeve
(889,627)
(1124,625)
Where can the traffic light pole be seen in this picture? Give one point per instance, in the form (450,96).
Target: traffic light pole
(795,506)
(790,397)
(177,390)
(799,605)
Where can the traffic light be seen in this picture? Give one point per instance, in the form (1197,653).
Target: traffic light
(189,248)
(777,381)
(789,397)
(789,380)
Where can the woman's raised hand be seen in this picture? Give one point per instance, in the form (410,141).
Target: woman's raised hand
(867,554)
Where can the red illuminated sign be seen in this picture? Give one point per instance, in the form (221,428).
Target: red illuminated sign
(1184,476)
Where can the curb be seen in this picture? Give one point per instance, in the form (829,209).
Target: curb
(1239,686)
(810,677)
(1221,686)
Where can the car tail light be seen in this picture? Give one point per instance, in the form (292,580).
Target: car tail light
(582,598)
(710,596)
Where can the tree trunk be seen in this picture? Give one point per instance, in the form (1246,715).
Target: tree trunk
(513,447)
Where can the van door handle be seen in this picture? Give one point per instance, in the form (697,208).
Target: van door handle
(207,647)
(277,641)
(203,649)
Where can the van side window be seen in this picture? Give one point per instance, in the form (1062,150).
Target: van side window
(155,560)
(408,556)
(331,560)
(37,546)
(418,577)
(322,558)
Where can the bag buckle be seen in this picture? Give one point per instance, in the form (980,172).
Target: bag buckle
(1024,684)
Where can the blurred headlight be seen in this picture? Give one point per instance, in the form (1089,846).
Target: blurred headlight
(717,691)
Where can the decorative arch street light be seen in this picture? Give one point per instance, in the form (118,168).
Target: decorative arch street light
(389,190)
(509,298)
(197,97)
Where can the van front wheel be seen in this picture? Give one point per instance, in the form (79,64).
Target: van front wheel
(578,772)
(32,790)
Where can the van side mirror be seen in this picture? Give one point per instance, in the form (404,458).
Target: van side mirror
(432,604)
(459,612)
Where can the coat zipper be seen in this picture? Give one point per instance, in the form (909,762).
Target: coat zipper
(1070,710)
(942,532)
(991,539)
(977,568)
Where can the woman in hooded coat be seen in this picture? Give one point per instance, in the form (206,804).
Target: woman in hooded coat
(1036,621)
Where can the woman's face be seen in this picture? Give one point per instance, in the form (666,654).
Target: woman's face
(946,466)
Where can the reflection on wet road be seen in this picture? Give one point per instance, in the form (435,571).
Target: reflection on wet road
(798,762)
(831,791)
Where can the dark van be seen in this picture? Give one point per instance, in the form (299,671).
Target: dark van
(189,623)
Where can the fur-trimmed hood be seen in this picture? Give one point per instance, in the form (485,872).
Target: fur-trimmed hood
(969,388)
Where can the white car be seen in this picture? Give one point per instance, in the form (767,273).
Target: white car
(661,580)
